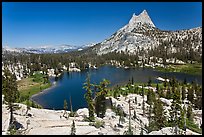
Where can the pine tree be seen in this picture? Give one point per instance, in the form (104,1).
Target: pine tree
(150,118)
(28,106)
(190,95)
(175,109)
(73,129)
(143,102)
(115,93)
(121,116)
(182,118)
(157,87)
(72,113)
(136,90)
(56,72)
(158,119)
(198,101)
(130,132)
(173,84)
(150,97)
(190,112)
(132,80)
(184,81)
(149,81)
(11,93)
(151,103)
(183,93)
(100,105)
(168,93)
(88,97)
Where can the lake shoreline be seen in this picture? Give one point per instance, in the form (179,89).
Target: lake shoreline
(109,74)
(168,69)
(42,92)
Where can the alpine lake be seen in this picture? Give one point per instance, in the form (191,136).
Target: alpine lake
(70,84)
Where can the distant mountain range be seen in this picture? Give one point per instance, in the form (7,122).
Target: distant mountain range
(64,48)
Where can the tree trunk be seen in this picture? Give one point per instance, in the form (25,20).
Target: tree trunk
(119,120)
(64,113)
(11,115)
(26,111)
(71,104)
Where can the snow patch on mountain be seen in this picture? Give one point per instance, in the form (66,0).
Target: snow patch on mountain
(9,49)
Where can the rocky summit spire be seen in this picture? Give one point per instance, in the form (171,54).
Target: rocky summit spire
(141,18)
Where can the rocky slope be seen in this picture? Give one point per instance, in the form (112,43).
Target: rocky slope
(52,122)
(140,34)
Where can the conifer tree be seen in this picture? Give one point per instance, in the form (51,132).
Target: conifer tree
(129,127)
(151,103)
(132,80)
(150,118)
(129,131)
(168,93)
(27,106)
(157,88)
(175,109)
(150,97)
(11,94)
(71,113)
(100,105)
(56,72)
(88,97)
(158,119)
(143,102)
(149,81)
(184,81)
(190,95)
(190,112)
(182,118)
(198,100)
(173,84)
(115,93)
(183,93)
(121,116)
(165,83)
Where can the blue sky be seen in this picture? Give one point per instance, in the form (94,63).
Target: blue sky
(32,24)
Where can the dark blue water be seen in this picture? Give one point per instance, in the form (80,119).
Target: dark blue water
(70,84)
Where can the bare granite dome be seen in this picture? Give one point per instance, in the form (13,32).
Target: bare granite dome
(142,18)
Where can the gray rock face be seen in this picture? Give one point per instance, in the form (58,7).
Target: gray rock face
(52,122)
(141,34)
(142,18)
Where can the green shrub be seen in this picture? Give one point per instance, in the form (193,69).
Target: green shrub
(97,124)
(192,126)
(86,119)
(72,114)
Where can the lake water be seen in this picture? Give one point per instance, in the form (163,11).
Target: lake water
(70,84)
